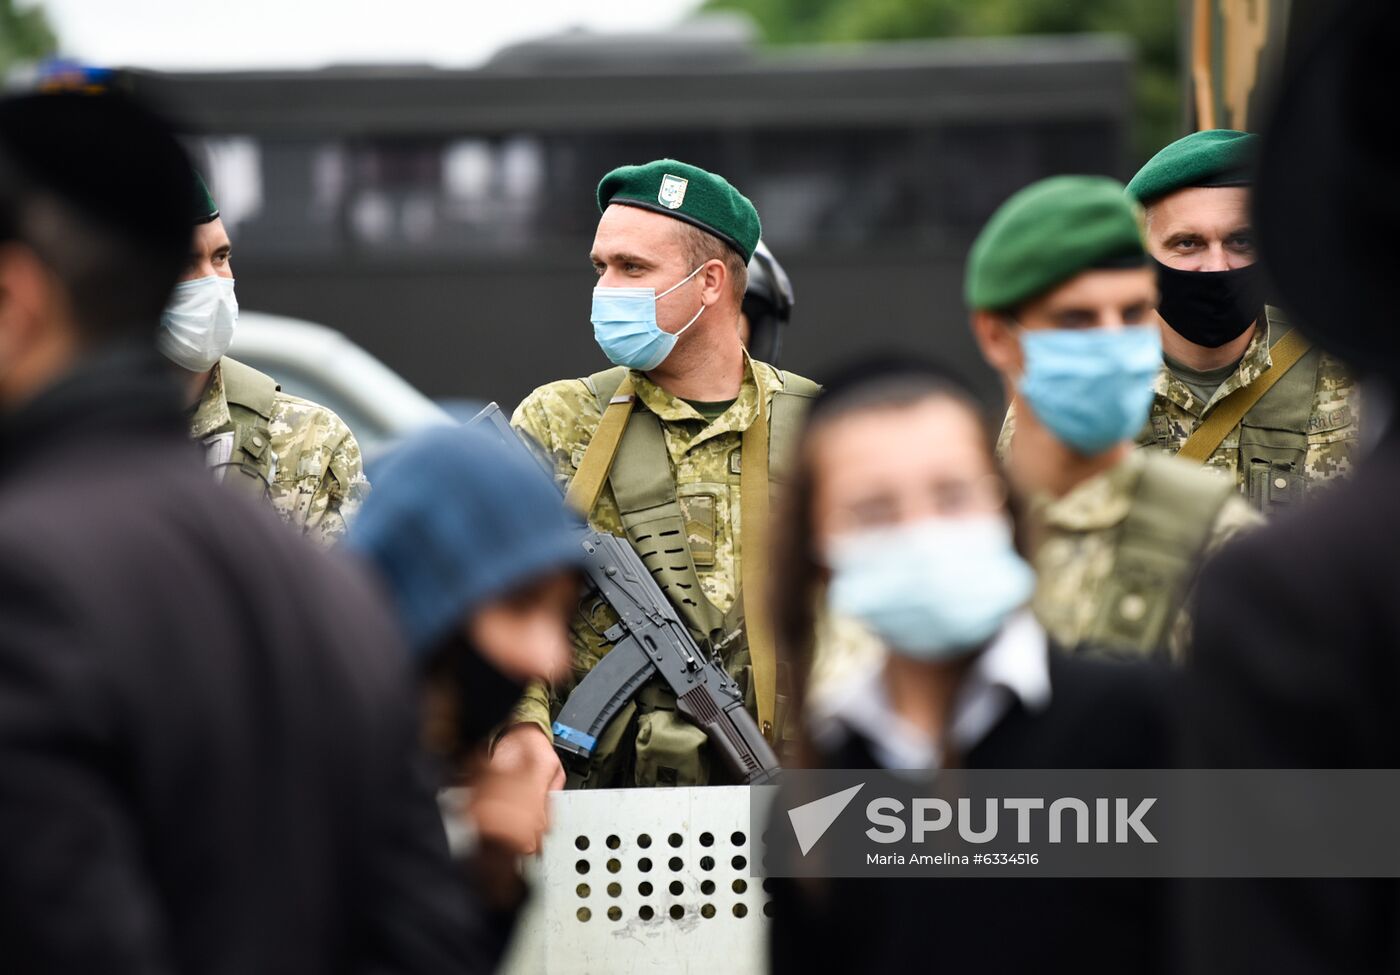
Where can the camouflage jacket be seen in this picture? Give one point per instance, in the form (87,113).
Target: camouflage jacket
(317,480)
(1077,545)
(1323,440)
(561,418)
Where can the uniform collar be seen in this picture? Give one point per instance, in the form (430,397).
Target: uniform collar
(212,413)
(1098,503)
(1253,364)
(1014,669)
(736,419)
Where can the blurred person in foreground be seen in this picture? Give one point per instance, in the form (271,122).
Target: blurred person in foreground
(899,518)
(480,558)
(294,453)
(206,736)
(1062,294)
(1298,631)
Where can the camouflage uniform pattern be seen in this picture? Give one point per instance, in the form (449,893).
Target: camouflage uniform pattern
(1331,426)
(561,418)
(319,481)
(1076,549)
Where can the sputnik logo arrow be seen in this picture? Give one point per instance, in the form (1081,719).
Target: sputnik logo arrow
(811,820)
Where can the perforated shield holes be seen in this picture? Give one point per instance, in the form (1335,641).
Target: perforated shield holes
(675,895)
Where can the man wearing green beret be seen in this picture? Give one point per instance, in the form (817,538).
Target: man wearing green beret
(1239,389)
(1062,292)
(298,455)
(672,448)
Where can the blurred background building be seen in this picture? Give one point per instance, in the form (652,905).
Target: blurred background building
(441,216)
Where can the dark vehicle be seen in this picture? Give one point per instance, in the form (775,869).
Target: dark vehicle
(442,219)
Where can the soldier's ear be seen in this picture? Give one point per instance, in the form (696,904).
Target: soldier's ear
(715,281)
(27,292)
(996,337)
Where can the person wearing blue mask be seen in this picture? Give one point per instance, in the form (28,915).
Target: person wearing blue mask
(1062,296)
(670,448)
(902,520)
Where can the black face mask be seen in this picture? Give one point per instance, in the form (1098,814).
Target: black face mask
(1210,308)
(484,695)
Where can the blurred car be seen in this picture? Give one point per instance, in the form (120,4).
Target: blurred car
(322,365)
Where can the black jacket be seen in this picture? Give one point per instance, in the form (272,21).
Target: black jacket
(1296,664)
(206,735)
(1101,715)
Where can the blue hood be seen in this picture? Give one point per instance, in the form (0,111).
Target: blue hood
(456,519)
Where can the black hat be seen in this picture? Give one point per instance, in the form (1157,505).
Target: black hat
(113,161)
(1326,209)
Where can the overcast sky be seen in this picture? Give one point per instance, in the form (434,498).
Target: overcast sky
(309,33)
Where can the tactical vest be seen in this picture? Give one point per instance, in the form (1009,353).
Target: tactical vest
(250,395)
(1159,547)
(1274,435)
(667,750)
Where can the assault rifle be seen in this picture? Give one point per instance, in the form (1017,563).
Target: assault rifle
(649,640)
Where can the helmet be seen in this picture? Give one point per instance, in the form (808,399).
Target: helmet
(768,304)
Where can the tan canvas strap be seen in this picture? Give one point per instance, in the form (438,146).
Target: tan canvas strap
(753,565)
(597,460)
(1231,410)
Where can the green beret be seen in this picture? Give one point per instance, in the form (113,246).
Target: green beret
(687,193)
(1047,233)
(1215,157)
(205,209)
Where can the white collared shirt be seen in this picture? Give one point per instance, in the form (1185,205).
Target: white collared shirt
(1015,666)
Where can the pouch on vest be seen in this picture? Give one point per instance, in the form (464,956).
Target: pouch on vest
(668,750)
(1274,435)
(1159,546)
(250,395)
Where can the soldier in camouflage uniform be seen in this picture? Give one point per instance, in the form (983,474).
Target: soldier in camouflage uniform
(1222,344)
(695,412)
(297,454)
(1062,297)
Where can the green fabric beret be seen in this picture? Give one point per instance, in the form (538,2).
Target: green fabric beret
(1047,233)
(687,193)
(1215,157)
(205,209)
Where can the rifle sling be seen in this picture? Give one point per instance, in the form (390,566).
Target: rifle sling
(1231,410)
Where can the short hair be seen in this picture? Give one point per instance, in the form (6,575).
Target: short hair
(99,188)
(701,246)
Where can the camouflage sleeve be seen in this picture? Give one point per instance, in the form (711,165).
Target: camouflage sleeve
(342,490)
(1235,516)
(535,418)
(534,708)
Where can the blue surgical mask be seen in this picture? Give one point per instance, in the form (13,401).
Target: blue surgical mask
(624,325)
(1092,387)
(932,590)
